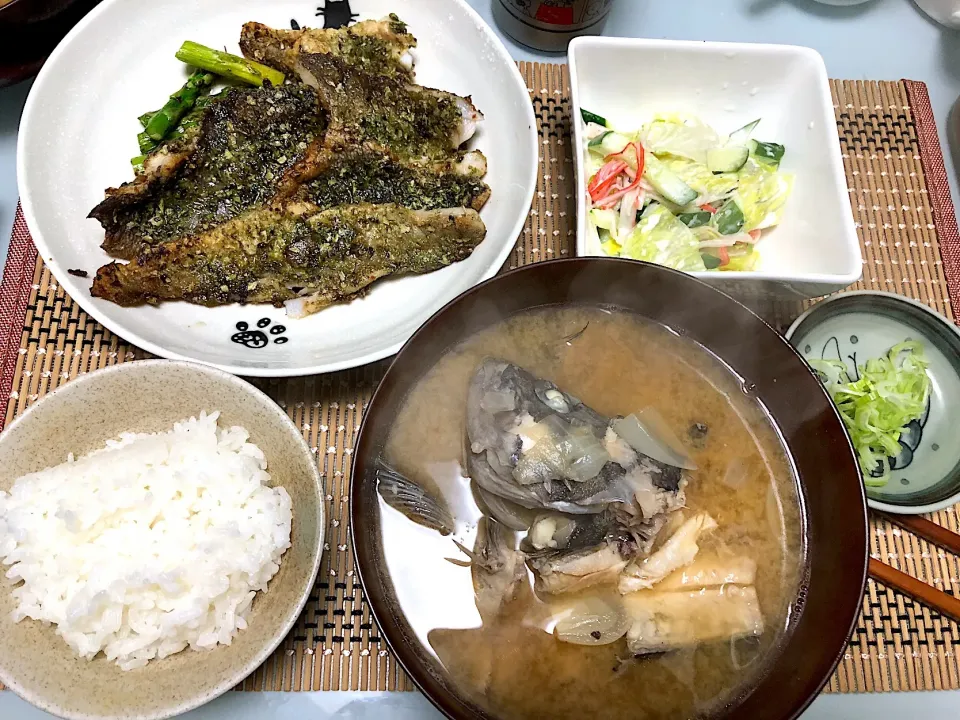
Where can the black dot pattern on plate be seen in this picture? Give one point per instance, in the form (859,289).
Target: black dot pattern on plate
(257,339)
(935,447)
(904,481)
(336,14)
(854,339)
(807,348)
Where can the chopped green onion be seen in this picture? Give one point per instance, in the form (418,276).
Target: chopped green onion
(892,392)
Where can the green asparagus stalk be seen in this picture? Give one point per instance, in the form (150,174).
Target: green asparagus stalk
(147,144)
(189,121)
(227,65)
(179,104)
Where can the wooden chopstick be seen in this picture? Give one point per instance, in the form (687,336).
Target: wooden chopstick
(929,531)
(938,600)
(927,594)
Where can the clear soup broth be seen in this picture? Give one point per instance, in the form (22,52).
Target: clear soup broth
(512,664)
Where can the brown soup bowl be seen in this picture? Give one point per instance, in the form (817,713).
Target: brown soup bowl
(828,599)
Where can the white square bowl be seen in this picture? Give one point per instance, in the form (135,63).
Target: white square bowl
(814,251)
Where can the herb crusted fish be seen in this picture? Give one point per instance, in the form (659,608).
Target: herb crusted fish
(251,144)
(302,193)
(377,46)
(309,260)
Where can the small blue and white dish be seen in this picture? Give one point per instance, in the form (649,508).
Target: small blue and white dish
(856,326)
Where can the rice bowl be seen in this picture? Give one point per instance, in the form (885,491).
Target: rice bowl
(154,543)
(149,397)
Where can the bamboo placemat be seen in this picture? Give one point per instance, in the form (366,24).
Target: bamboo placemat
(901,202)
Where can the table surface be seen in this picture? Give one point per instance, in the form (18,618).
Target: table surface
(879,40)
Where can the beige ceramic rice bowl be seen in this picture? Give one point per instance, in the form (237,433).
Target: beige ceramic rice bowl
(150,396)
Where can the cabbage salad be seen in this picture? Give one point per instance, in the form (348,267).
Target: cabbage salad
(678,194)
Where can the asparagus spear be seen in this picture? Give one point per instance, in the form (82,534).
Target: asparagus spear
(190,120)
(167,117)
(147,144)
(227,65)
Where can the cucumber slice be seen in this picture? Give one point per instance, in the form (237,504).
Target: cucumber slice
(727,159)
(667,183)
(771,153)
(741,136)
(729,219)
(598,139)
(610,143)
(712,262)
(593,117)
(695,219)
(604,219)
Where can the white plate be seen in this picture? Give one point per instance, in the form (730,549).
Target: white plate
(79,130)
(815,250)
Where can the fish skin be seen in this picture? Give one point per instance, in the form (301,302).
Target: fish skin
(573,571)
(359,175)
(493,450)
(262,255)
(497,567)
(597,550)
(379,46)
(385,113)
(135,216)
(253,146)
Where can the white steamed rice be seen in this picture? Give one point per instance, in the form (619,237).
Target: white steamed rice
(149,545)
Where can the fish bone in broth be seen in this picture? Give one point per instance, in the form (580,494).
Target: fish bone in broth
(497,616)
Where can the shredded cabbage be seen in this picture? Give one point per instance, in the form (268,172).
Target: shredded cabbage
(891,392)
(762,194)
(661,238)
(679,135)
(709,186)
(746,261)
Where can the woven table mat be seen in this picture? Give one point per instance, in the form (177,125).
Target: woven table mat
(901,202)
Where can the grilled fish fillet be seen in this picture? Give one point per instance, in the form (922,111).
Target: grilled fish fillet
(358,175)
(387,113)
(268,256)
(376,46)
(305,193)
(252,146)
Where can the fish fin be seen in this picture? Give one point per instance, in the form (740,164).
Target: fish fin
(412,500)
(466,551)
(459,563)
